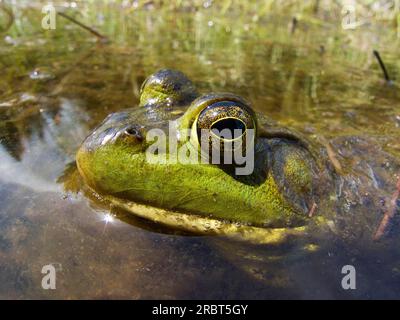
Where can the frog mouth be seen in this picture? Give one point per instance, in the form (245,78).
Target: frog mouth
(201,225)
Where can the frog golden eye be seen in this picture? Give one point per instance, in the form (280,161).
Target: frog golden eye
(225,123)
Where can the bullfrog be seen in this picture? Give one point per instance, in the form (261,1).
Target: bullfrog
(295,182)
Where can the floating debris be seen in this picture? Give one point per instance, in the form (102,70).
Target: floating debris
(10,40)
(293,25)
(7,104)
(389,214)
(383,67)
(39,74)
(10,19)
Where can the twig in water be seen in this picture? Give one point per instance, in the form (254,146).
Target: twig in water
(102,38)
(293,25)
(331,155)
(10,17)
(312,210)
(316,6)
(382,65)
(389,214)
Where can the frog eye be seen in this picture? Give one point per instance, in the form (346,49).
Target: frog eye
(167,87)
(227,122)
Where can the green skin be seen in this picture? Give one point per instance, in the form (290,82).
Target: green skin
(280,193)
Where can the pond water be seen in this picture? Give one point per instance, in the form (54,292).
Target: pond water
(57,85)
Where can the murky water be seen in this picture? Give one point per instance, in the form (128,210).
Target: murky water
(56,85)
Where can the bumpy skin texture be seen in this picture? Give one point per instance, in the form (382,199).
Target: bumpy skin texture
(279,193)
(167,87)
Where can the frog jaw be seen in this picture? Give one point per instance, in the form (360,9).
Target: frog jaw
(197,224)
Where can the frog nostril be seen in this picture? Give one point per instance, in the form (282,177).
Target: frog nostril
(131,131)
(134,132)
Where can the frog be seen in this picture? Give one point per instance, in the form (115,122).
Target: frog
(296,183)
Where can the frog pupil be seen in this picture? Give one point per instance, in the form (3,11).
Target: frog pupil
(230,124)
